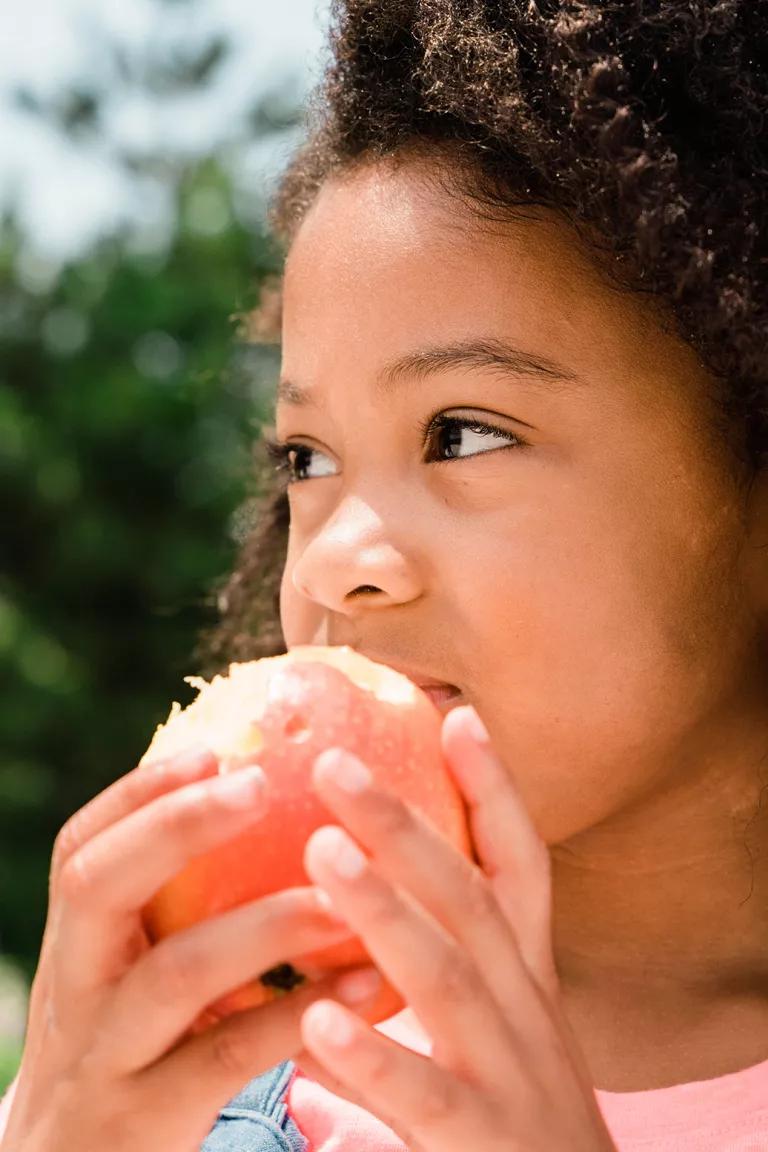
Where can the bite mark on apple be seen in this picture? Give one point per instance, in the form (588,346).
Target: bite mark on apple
(297,729)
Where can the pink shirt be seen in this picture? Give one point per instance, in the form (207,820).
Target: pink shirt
(728,1114)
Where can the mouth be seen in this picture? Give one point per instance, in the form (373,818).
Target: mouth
(445,697)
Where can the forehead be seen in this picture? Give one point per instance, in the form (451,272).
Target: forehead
(400,230)
(388,260)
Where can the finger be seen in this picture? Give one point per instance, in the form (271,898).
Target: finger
(131,792)
(435,976)
(515,859)
(165,991)
(319,1074)
(511,852)
(104,885)
(410,852)
(206,1071)
(140,786)
(428,1107)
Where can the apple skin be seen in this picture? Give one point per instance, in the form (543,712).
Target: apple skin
(310,706)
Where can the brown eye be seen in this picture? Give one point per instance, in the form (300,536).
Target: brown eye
(452,433)
(294,460)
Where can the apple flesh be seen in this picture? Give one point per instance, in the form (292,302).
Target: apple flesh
(281,712)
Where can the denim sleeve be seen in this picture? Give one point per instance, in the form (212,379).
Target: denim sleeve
(257,1120)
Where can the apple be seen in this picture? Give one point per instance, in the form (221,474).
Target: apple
(281,712)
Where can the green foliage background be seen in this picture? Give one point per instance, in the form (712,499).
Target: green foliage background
(127,410)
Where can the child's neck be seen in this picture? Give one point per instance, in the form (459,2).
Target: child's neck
(660,925)
(656,1041)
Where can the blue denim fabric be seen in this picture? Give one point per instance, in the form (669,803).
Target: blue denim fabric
(257,1120)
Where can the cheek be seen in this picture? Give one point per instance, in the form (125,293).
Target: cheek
(608,646)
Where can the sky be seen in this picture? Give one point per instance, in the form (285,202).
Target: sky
(68,194)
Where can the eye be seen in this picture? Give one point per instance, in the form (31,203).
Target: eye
(452,433)
(294,459)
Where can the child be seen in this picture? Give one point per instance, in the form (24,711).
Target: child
(521,434)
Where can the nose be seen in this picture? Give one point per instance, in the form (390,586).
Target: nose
(356,560)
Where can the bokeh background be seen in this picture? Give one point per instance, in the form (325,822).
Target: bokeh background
(140,142)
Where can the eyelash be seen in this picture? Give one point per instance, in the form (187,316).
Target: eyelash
(280,452)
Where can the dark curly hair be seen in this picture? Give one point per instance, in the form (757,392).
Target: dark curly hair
(642,122)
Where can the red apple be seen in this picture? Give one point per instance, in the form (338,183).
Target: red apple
(281,713)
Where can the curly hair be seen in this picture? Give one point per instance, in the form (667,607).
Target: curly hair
(641,122)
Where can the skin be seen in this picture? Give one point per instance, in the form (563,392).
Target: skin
(600,595)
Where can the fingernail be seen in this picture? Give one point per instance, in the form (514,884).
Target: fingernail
(355,987)
(348,861)
(187,759)
(477,729)
(328,1023)
(346,771)
(328,907)
(241,788)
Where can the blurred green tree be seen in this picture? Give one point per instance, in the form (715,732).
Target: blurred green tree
(127,411)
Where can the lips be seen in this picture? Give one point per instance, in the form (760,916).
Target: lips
(443,696)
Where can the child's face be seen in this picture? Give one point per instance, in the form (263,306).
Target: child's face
(587,592)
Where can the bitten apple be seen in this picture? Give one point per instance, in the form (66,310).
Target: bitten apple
(281,712)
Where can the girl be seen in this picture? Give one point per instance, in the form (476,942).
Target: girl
(520,436)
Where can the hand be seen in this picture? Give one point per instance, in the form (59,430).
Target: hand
(108,1037)
(468,948)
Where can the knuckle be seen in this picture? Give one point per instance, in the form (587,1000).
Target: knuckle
(67,841)
(77,884)
(380,1070)
(175,971)
(438,1103)
(394,818)
(456,979)
(178,816)
(385,912)
(133,790)
(478,901)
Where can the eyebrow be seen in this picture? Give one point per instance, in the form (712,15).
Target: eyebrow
(425,362)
